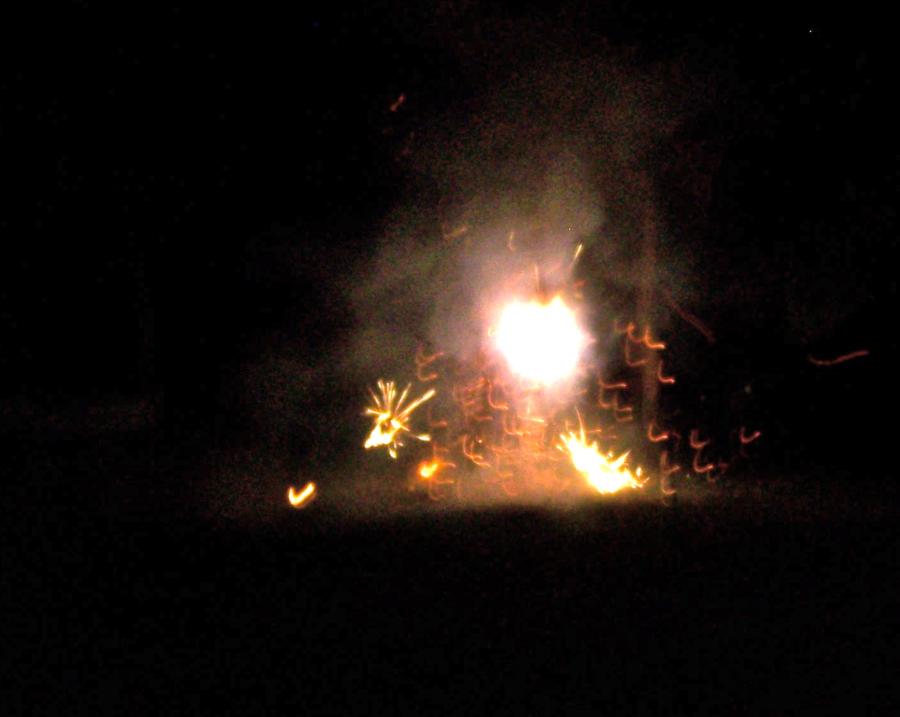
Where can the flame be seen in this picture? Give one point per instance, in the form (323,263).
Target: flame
(429,469)
(541,341)
(391,418)
(299,500)
(605,473)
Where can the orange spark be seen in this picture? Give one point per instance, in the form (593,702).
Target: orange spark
(698,447)
(628,359)
(668,380)
(665,474)
(604,387)
(466,443)
(425,377)
(619,330)
(623,414)
(656,437)
(423,361)
(690,318)
(650,343)
(398,103)
(664,468)
(696,443)
(497,406)
(839,359)
(303,498)
(430,469)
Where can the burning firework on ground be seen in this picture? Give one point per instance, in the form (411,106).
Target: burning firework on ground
(504,417)
(605,473)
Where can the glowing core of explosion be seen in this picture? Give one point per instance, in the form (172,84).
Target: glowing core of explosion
(541,342)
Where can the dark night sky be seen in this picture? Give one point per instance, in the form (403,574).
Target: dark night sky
(149,155)
(196,200)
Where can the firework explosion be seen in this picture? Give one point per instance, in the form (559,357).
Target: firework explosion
(504,417)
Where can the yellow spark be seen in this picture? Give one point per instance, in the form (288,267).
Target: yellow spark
(429,469)
(578,250)
(299,500)
(426,470)
(605,473)
(391,418)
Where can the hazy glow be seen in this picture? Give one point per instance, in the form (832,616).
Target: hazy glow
(541,342)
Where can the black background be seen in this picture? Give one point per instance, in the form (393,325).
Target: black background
(148,156)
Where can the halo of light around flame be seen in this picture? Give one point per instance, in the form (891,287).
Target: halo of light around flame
(541,342)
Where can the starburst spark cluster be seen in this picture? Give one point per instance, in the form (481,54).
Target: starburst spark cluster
(605,473)
(391,417)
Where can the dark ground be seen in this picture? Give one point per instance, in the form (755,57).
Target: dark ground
(760,596)
(185,192)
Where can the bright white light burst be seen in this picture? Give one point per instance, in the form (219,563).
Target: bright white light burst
(541,342)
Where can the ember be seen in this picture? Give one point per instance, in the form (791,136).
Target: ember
(303,498)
